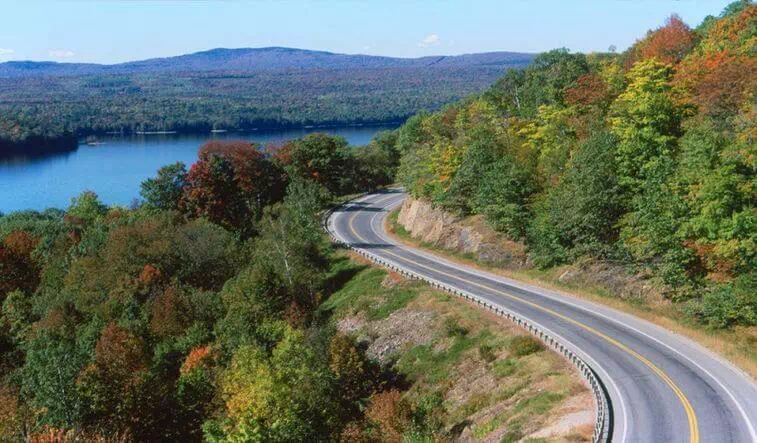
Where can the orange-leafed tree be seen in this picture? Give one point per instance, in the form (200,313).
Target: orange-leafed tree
(669,43)
(18,269)
(391,413)
(114,383)
(721,74)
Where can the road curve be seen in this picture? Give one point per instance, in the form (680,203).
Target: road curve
(662,387)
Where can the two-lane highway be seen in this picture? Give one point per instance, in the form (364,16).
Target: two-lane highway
(662,387)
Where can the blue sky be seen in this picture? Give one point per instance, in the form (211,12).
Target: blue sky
(111,31)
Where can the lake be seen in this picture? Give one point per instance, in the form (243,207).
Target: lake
(115,168)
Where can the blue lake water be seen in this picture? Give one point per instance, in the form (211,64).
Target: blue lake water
(115,169)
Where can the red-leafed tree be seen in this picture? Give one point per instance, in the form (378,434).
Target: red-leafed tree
(589,90)
(669,43)
(230,184)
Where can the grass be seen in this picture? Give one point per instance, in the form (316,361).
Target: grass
(505,368)
(524,410)
(738,345)
(423,362)
(364,292)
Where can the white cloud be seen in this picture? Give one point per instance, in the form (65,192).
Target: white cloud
(430,40)
(367,47)
(6,51)
(61,53)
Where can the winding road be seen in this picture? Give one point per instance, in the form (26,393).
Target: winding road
(661,387)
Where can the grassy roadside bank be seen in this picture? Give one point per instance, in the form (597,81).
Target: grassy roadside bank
(471,374)
(738,345)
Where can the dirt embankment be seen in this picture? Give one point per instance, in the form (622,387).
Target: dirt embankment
(490,390)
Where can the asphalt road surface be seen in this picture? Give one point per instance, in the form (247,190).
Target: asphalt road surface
(662,387)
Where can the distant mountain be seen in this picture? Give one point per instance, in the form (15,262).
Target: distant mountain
(260,60)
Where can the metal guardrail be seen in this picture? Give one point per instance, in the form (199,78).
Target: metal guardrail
(602,425)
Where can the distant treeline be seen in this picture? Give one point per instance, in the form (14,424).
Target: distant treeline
(51,107)
(39,145)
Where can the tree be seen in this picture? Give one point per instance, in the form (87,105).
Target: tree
(113,384)
(579,215)
(291,246)
(195,391)
(646,121)
(171,313)
(212,192)
(165,190)
(230,184)
(86,208)
(553,138)
(53,362)
(376,164)
(320,158)
(543,82)
(717,183)
(356,375)
(719,76)
(391,413)
(289,396)
(18,269)
(668,44)
(503,195)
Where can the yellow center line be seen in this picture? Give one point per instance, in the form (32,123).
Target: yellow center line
(691,415)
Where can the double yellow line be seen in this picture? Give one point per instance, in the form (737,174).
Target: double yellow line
(690,414)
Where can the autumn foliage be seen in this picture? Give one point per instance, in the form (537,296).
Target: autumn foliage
(720,76)
(230,184)
(197,315)
(668,44)
(18,269)
(203,357)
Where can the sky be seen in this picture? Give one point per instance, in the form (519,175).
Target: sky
(113,31)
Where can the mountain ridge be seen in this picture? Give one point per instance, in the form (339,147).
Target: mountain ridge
(271,58)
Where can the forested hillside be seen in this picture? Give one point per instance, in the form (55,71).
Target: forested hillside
(644,159)
(192,316)
(233,89)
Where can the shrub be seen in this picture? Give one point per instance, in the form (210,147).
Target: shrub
(454,329)
(523,345)
(486,352)
(727,305)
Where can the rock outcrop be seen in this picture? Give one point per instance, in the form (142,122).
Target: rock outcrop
(471,235)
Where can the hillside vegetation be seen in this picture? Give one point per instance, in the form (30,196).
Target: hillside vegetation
(190,316)
(216,310)
(644,159)
(233,89)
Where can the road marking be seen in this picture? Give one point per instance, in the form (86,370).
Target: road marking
(691,415)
